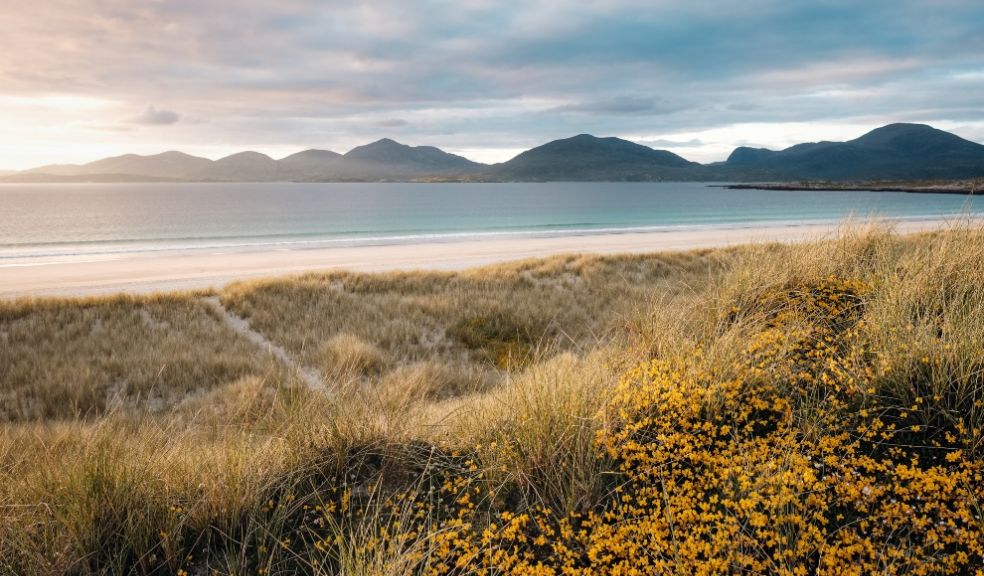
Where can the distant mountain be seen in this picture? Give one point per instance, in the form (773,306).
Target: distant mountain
(587,157)
(309,164)
(895,151)
(167,165)
(381,160)
(386,159)
(243,167)
(29,178)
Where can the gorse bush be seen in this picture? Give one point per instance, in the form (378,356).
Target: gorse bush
(794,463)
(791,463)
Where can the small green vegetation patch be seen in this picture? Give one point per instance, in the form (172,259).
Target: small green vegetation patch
(501,338)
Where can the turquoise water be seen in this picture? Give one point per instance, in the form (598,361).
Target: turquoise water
(71,219)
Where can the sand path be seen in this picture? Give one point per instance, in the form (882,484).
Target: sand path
(311,377)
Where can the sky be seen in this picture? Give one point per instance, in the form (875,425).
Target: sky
(84,79)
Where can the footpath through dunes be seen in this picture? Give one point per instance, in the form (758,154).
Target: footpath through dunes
(311,376)
(773,409)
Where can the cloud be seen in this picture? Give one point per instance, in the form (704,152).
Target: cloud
(477,75)
(623,105)
(154,116)
(391,123)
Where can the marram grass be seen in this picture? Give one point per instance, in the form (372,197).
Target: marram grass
(809,409)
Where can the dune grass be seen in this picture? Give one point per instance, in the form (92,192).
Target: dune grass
(813,409)
(68,359)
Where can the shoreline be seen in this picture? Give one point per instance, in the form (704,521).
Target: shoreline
(102,250)
(150,272)
(971,187)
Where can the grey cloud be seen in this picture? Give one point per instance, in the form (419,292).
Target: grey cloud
(153,116)
(391,123)
(623,105)
(743,107)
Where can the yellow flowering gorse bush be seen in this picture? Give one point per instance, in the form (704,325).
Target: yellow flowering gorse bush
(793,460)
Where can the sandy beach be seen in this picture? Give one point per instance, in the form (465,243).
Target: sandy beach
(145,272)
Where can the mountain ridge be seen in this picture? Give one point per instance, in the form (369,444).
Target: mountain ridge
(387,159)
(895,151)
(586,157)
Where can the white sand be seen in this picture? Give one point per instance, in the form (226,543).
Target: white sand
(183,270)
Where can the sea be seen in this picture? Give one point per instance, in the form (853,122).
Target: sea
(46,220)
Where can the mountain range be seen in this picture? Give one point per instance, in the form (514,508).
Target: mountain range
(895,151)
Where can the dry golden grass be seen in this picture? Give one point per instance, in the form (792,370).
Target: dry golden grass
(84,358)
(559,303)
(225,462)
(68,359)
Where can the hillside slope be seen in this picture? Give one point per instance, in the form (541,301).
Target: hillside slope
(586,157)
(895,151)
